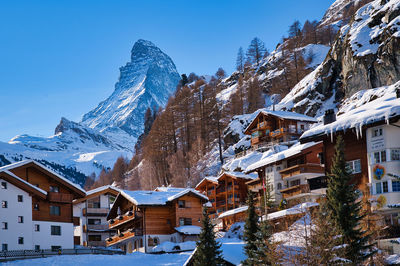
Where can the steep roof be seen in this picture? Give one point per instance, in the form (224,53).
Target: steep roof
(148,197)
(22,184)
(61,179)
(380,110)
(280,114)
(99,191)
(212,179)
(292,151)
(241,175)
(233,211)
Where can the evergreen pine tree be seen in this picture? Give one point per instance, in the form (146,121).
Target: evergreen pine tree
(345,210)
(251,233)
(208,252)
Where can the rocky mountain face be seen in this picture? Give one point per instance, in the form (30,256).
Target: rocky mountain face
(365,55)
(146,81)
(109,131)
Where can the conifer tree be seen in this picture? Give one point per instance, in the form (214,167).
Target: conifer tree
(345,210)
(256,51)
(240,60)
(208,252)
(251,233)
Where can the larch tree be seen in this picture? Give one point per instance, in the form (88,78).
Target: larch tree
(208,251)
(256,51)
(240,60)
(220,74)
(345,208)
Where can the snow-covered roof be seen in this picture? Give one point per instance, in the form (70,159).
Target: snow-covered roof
(237,174)
(381,109)
(102,188)
(169,189)
(24,162)
(284,115)
(208,178)
(189,229)
(298,209)
(23,181)
(149,197)
(233,211)
(294,150)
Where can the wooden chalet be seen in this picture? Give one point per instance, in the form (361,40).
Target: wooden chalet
(91,226)
(228,218)
(274,127)
(60,191)
(145,219)
(226,192)
(295,174)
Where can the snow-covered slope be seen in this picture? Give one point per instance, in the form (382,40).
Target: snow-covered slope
(110,130)
(146,81)
(365,55)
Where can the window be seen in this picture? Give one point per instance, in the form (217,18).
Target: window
(380,156)
(20,198)
(295,182)
(54,189)
(4,247)
(4,204)
(36,206)
(385,187)
(4,225)
(395,186)
(21,219)
(94,238)
(37,247)
(4,185)
(181,203)
(55,248)
(37,227)
(94,203)
(55,230)
(395,155)
(279,186)
(94,221)
(185,221)
(20,240)
(378,188)
(354,166)
(55,210)
(377,132)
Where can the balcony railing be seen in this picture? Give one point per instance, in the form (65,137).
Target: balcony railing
(59,197)
(220,203)
(295,190)
(95,227)
(95,211)
(123,236)
(101,243)
(302,169)
(129,216)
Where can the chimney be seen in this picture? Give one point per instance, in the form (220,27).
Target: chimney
(329,116)
(398,93)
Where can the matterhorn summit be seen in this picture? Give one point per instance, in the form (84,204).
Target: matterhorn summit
(146,81)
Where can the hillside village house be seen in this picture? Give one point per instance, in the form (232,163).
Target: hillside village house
(277,127)
(372,149)
(145,219)
(91,226)
(36,207)
(296,174)
(225,192)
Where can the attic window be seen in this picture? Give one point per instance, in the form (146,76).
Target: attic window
(181,203)
(4,185)
(54,189)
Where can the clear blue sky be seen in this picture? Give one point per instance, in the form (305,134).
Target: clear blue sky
(61,58)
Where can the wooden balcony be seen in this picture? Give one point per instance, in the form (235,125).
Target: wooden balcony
(60,197)
(302,169)
(95,243)
(95,227)
(295,190)
(113,223)
(95,211)
(124,236)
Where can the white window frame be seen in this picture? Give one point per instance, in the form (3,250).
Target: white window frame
(379,132)
(394,151)
(352,166)
(378,159)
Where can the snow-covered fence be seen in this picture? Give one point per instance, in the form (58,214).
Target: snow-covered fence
(25,254)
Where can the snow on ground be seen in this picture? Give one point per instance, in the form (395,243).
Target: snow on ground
(318,53)
(295,235)
(232,250)
(136,258)
(170,246)
(235,231)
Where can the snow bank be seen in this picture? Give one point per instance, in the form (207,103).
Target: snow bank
(170,246)
(298,209)
(235,231)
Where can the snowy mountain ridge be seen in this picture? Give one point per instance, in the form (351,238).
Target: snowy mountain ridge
(110,130)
